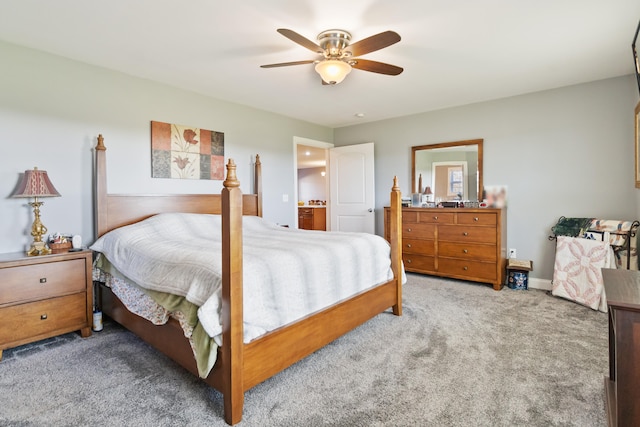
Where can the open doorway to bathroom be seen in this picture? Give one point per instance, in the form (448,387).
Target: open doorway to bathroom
(312,183)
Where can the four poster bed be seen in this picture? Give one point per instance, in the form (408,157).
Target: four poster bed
(239,365)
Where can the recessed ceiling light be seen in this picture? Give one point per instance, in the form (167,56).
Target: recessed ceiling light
(359,115)
(307,153)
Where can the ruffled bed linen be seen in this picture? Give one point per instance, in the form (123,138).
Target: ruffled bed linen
(157,308)
(577,272)
(287,273)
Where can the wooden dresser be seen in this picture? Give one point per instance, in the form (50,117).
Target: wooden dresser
(312,218)
(622,390)
(461,243)
(44,296)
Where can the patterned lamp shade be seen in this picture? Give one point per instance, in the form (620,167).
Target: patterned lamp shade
(35,183)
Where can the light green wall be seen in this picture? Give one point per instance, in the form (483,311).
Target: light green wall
(52,109)
(563,152)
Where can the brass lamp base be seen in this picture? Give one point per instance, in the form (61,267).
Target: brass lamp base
(38,248)
(37,231)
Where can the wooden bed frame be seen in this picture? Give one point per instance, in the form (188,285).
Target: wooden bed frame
(239,366)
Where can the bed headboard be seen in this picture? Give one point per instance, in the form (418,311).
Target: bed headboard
(116,210)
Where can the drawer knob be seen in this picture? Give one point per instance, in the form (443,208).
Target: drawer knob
(475,219)
(408,245)
(435,218)
(465,234)
(43,316)
(465,251)
(43,280)
(465,268)
(408,229)
(409,261)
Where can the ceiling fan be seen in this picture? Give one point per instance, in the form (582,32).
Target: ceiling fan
(339,56)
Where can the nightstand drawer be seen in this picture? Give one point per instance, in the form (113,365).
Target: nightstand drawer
(26,321)
(41,281)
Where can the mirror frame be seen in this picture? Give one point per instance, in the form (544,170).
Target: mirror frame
(477,142)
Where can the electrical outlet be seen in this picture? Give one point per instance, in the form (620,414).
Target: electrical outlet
(285,197)
(512,253)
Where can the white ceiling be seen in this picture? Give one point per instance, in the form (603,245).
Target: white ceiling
(453,52)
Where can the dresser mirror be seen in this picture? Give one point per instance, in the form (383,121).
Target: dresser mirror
(450,170)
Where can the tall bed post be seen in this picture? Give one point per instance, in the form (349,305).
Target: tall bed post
(257,185)
(100,198)
(396,242)
(232,333)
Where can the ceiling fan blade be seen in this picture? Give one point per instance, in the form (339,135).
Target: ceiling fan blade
(375,67)
(286,64)
(373,43)
(302,41)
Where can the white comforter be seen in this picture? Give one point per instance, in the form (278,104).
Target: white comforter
(287,273)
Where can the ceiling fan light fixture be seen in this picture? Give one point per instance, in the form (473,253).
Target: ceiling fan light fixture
(333,71)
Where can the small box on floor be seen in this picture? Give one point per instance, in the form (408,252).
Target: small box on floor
(518,273)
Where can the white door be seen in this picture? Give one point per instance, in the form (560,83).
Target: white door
(352,192)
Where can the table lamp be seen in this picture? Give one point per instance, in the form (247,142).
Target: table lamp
(428,193)
(35,183)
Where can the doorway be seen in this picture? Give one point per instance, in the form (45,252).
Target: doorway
(311,180)
(347,186)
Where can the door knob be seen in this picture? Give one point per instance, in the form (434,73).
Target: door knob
(370,210)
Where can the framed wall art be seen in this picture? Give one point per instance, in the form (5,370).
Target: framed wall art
(186,152)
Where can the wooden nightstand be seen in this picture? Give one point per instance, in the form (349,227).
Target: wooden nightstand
(44,296)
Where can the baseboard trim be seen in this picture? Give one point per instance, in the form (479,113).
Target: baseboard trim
(539,284)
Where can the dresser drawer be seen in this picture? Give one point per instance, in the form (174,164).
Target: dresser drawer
(37,319)
(413,262)
(467,251)
(465,268)
(429,216)
(418,246)
(40,281)
(465,233)
(436,217)
(418,231)
(475,218)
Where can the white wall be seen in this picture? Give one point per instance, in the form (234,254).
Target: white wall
(568,151)
(52,109)
(312,184)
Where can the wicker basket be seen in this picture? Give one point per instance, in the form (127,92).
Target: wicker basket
(57,248)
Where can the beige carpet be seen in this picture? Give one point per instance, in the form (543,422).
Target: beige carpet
(462,355)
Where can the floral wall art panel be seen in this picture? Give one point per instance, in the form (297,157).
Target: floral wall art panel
(186,152)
